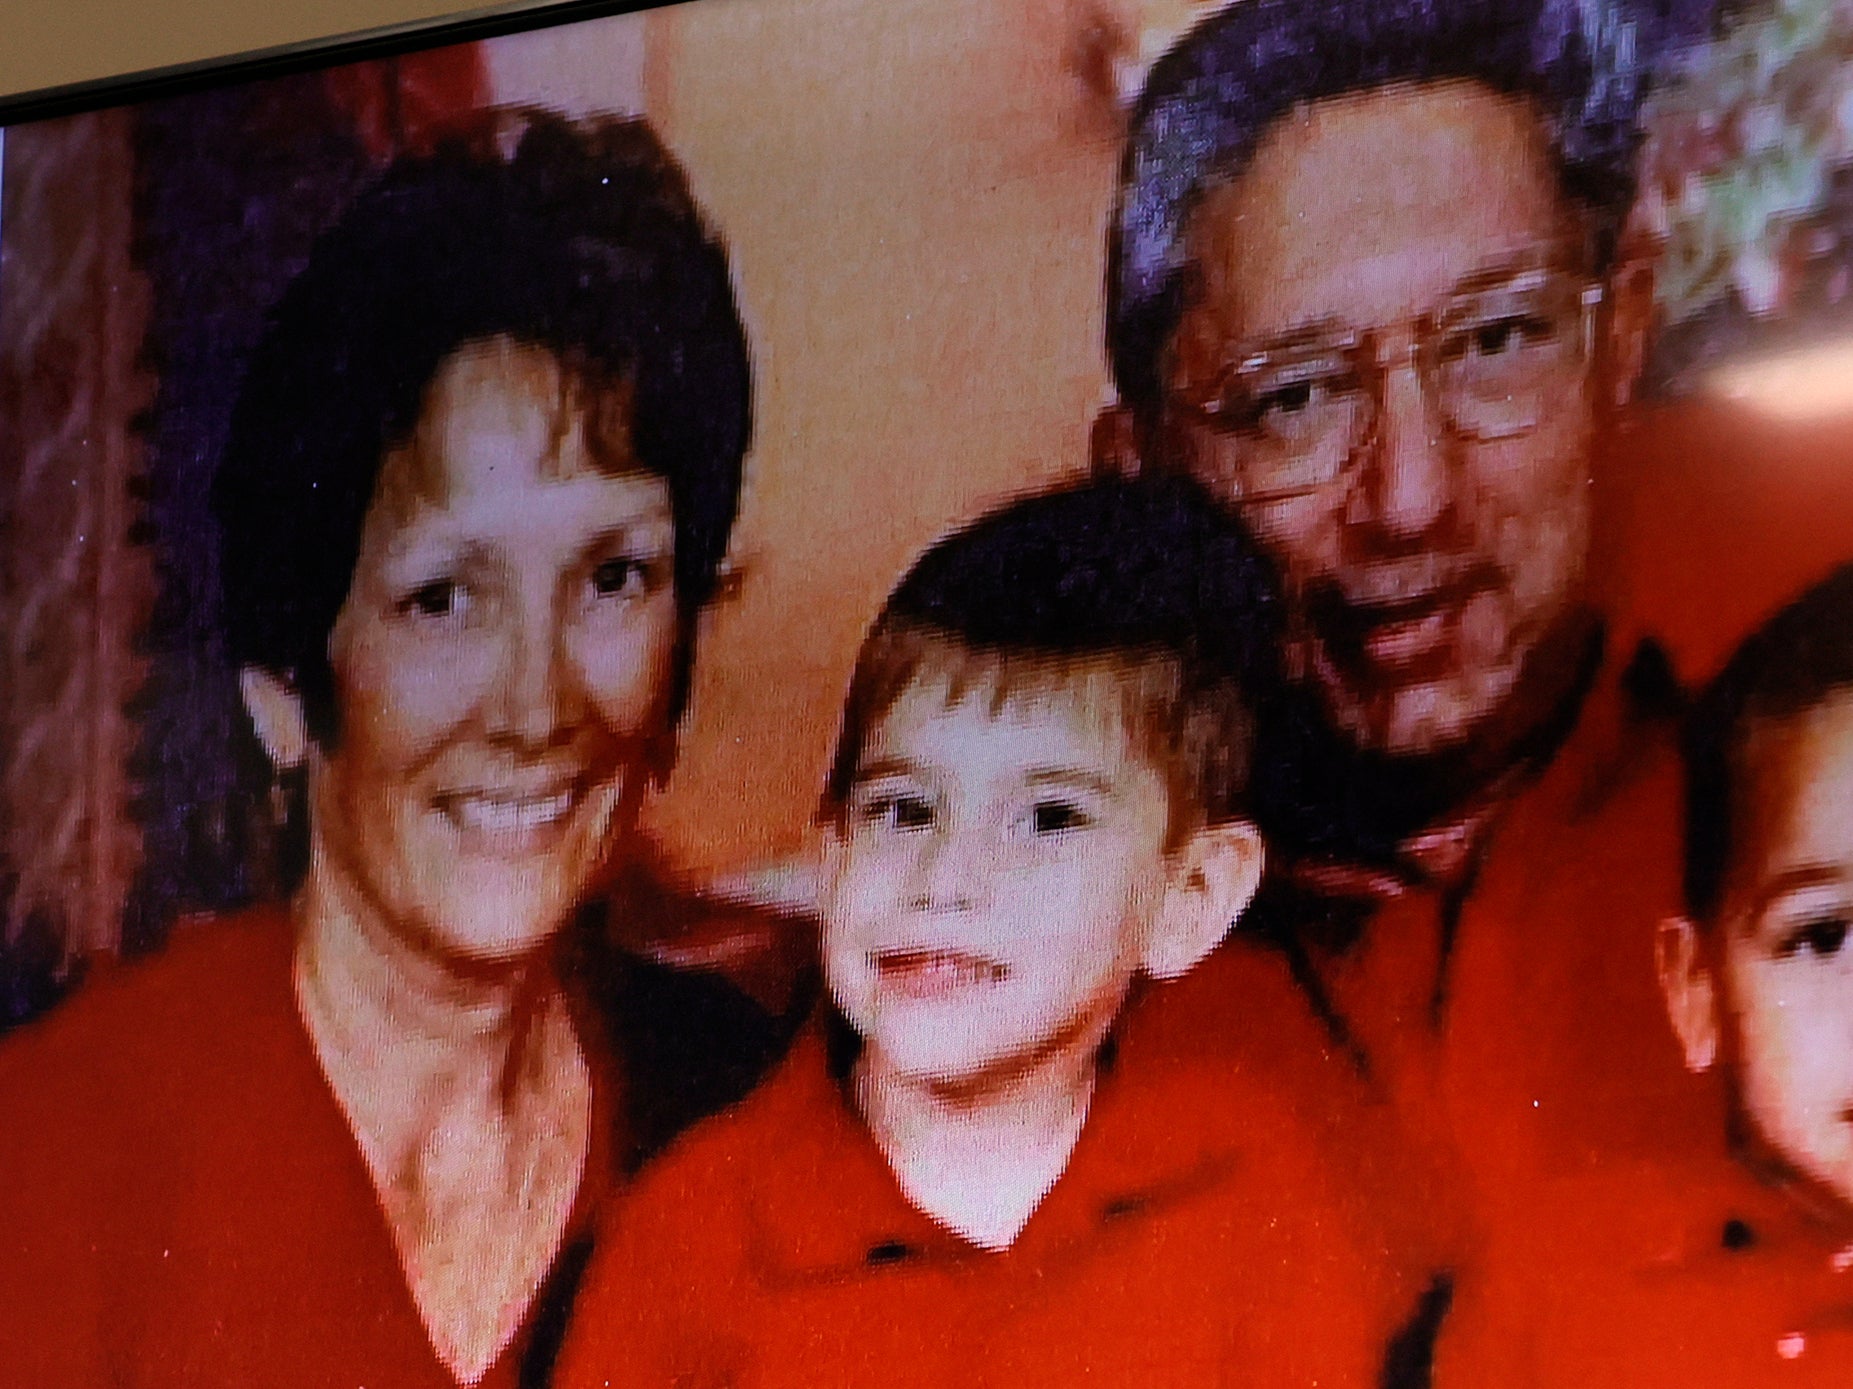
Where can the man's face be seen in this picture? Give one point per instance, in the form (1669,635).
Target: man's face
(1784,954)
(1434,558)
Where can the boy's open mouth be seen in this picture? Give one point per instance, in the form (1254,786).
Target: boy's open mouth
(925,973)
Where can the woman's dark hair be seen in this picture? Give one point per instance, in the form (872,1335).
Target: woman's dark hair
(1209,100)
(581,239)
(1797,661)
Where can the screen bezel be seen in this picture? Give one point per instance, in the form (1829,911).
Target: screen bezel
(464,26)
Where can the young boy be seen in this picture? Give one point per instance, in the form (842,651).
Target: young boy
(951,1181)
(1732,1267)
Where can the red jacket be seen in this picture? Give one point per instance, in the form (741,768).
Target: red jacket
(1487,1034)
(1188,1243)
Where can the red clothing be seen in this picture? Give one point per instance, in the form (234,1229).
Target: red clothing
(182,1201)
(1504,1026)
(1679,1274)
(1188,1243)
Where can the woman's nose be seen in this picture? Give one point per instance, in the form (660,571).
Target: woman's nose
(536,691)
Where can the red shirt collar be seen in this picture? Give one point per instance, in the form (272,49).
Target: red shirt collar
(831,1206)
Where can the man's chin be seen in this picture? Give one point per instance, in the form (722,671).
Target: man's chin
(1402,717)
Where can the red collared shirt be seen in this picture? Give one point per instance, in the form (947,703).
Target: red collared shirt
(1189,1242)
(1671,1275)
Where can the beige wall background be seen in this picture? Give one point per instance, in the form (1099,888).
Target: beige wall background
(914,194)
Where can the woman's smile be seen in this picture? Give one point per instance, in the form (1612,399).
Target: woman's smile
(503,662)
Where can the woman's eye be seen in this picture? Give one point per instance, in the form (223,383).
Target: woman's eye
(1058,817)
(620,576)
(439,598)
(1822,938)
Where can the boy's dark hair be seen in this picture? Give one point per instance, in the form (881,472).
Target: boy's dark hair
(582,240)
(1146,585)
(1797,661)
(1206,104)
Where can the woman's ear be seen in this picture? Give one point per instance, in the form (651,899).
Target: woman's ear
(1691,990)
(277,715)
(1113,445)
(1210,881)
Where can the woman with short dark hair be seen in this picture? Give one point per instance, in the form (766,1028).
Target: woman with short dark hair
(478,485)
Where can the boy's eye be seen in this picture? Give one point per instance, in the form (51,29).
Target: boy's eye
(899,811)
(438,598)
(1059,817)
(1821,938)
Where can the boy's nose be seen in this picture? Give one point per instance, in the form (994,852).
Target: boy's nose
(955,870)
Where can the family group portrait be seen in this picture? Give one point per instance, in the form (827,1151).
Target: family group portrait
(770,693)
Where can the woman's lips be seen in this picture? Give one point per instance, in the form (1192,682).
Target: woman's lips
(934,973)
(506,821)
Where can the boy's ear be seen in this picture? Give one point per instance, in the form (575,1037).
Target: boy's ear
(1691,990)
(276,713)
(1210,881)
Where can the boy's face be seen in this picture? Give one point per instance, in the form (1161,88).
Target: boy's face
(993,881)
(1784,1000)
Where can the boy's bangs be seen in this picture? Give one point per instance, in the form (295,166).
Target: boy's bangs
(1138,696)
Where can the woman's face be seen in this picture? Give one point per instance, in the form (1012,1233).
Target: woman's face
(502,663)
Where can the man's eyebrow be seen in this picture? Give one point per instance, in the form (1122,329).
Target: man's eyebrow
(1499,273)
(1318,333)
(1072,776)
(1797,878)
(1494,274)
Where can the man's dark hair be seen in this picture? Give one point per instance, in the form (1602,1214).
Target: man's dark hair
(582,240)
(1147,583)
(1797,661)
(1209,100)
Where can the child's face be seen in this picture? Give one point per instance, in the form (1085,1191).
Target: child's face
(1784,956)
(992,880)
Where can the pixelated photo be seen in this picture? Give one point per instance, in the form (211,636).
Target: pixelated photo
(993,693)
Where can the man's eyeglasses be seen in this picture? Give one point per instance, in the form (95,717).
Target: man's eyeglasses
(1294,418)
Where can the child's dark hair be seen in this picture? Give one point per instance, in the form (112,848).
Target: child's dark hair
(1146,585)
(1797,661)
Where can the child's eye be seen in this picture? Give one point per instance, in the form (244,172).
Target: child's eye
(438,598)
(1821,938)
(900,811)
(1058,817)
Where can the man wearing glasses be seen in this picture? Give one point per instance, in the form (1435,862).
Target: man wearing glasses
(1367,282)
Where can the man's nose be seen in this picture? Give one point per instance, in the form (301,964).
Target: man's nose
(1408,482)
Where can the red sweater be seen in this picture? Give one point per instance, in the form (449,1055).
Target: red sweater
(1188,1243)
(182,1201)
